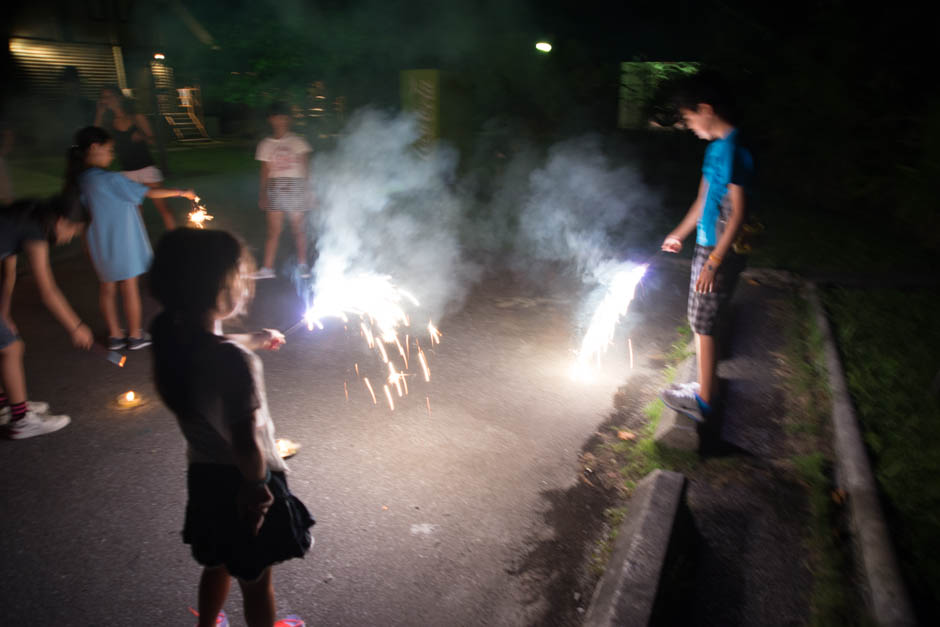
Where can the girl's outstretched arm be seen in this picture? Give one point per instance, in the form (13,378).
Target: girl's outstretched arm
(265,339)
(166,192)
(38,254)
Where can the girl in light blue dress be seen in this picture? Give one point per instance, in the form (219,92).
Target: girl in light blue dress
(117,239)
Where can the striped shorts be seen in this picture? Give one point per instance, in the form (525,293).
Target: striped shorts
(705,309)
(287,194)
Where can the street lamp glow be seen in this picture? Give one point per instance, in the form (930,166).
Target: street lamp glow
(543,46)
(159,57)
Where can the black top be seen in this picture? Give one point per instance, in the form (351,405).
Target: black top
(15,229)
(132,155)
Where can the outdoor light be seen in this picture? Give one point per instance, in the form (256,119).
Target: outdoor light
(129,399)
(543,46)
(159,56)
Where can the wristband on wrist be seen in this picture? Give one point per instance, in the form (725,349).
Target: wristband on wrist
(715,258)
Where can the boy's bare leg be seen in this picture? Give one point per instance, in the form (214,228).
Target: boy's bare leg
(130,296)
(168,220)
(259,600)
(11,372)
(706,352)
(106,300)
(213,590)
(299,227)
(275,221)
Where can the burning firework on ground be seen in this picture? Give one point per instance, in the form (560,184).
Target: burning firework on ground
(199,215)
(380,307)
(600,332)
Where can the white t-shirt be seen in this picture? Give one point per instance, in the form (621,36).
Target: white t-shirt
(284,156)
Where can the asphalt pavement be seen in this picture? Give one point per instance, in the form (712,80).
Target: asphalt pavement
(425,516)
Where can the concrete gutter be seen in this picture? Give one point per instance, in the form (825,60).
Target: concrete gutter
(885,589)
(630,586)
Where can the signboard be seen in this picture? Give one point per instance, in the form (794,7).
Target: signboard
(421,95)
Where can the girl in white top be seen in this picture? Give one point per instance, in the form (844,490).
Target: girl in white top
(284,159)
(240,517)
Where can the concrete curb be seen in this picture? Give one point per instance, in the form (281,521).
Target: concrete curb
(676,430)
(628,590)
(885,591)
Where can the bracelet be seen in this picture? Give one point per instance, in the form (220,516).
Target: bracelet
(715,258)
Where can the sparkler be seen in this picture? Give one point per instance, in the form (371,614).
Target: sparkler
(380,306)
(114,357)
(199,215)
(614,305)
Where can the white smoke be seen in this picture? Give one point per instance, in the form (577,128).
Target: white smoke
(574,205)
(384,208)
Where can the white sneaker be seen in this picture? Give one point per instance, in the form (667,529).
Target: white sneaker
(682,400)
(303,270)
(37,407)
(263,273)
(34,424)
(691,385)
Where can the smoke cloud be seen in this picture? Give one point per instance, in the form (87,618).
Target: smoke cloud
(384,208)
(575,204)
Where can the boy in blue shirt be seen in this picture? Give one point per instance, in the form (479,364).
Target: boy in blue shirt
(717,217)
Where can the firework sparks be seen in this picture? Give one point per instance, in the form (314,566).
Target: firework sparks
(616,301)
(199,215)
(388,395)
(371,391)
(380,306)
(434,333)
(424,365)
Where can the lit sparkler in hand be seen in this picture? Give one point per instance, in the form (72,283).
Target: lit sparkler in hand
(600,332)
(199,215)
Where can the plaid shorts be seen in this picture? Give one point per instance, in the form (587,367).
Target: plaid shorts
(287,194)
(705,309)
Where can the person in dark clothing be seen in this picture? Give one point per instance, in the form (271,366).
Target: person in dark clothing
(132,137)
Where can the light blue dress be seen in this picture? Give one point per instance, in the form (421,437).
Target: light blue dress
(117,238)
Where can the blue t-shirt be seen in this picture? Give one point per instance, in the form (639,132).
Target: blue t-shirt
(117,239)
(726,161)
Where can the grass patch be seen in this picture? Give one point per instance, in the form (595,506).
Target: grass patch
(613,516)
(834,600)
(890,343)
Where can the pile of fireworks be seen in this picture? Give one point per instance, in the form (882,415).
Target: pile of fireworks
(375,307)
(600,333)
(199,215)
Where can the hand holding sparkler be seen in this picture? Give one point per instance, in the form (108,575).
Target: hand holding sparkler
(269,339)
(199,215)
(265,339)
(672,244)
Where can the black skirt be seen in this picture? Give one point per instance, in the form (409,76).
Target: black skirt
(218,537)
